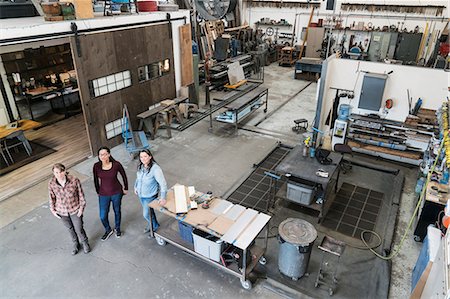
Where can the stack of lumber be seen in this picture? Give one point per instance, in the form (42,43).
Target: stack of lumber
(424,118)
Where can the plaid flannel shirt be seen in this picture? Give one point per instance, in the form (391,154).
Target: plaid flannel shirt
(68,199)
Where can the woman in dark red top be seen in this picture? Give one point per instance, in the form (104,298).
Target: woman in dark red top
(109,189)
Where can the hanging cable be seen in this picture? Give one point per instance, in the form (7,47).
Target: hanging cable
(421,198)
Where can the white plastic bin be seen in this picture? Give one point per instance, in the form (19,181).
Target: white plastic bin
(207,245)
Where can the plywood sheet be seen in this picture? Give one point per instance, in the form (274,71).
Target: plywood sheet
(187,71)
(199,217)
(314,43)
(235,73)
(221,224)
(250,233)
(84,9)
(239,226)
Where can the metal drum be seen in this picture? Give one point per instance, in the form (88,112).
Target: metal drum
(296,237)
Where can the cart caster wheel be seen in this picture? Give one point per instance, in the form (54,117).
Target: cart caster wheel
(160,241)
(316,285)
(265,110)
(262,260)
(246,284)
(417,239)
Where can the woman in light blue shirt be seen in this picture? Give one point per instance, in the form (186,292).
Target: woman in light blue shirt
(149,182)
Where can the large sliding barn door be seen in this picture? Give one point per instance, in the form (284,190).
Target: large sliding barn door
(103,54)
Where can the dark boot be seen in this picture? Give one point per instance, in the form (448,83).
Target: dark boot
(75,248)
(86,247)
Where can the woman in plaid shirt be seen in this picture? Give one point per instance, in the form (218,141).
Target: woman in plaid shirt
(67,203)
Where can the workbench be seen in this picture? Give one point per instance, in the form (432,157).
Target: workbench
(244,106)
(235,225)
(308,68)
(149,118)
(302,170)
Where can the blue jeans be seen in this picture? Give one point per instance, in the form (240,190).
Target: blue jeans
(146,211)
(104,203)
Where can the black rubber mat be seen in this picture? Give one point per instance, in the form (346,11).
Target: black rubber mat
(254,192)
(354,210)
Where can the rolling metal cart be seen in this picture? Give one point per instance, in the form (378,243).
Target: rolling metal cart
(324,277)
(241,233)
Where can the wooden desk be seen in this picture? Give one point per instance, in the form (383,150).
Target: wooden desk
(32,94)
(39,91)
(24,125)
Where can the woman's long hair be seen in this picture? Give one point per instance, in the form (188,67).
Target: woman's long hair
(141,165)
(111,159)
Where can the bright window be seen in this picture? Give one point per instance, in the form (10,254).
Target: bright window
(154,70)
(109,84)
(113,128)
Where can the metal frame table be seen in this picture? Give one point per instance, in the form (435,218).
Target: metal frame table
(239,233)
(303,169)
(245,105)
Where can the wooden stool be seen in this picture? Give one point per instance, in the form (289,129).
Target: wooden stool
(301,125)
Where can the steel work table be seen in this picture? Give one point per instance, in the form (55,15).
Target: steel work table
(244,106)
(301,169)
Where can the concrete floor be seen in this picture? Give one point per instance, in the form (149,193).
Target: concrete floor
(35,247)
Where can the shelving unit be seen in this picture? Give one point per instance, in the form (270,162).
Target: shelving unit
(388,139)
(38,63)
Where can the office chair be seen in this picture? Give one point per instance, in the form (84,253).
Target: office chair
(344,165)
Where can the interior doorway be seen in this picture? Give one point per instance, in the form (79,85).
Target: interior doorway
(69,143)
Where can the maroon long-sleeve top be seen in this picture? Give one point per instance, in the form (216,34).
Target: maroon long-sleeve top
(106,181)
